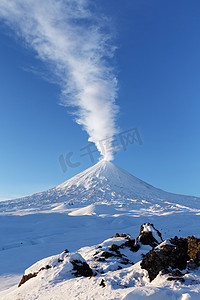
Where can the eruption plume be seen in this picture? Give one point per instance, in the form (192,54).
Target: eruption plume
(75,42)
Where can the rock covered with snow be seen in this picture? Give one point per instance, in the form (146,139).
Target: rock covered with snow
(118,268)
(174,254)
(65,264)
(167,255)
(149,235)
(121,252)
(113,254)
(116,253)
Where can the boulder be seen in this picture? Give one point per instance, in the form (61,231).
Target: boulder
(81,268)
(194,249)
(149,235)
(168,255)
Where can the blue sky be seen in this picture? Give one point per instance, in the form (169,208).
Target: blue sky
(158,70)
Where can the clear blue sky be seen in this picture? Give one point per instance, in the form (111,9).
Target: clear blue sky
(158,63)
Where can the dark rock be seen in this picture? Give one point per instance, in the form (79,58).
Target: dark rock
(176,278)
(27,277)
(180,242)
(194,249)
(31,275)
(135,248)
(176,273)
(102,283)
(130,243)
(48,267)
(172,256)
(114,247)
(81,268)
(66,251)
(106,254)
(147,238)
(123,235)
(60,260)
(101,259)
(45,268)
(191,264)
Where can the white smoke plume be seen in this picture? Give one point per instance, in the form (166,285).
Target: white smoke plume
(71,38)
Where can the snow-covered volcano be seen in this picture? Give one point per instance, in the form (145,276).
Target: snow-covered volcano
(104,183)
(83,211)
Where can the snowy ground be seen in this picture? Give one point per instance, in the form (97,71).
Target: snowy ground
(85,211)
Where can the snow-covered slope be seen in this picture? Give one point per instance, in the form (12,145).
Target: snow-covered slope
(103,183)
(84,211)
(109,270)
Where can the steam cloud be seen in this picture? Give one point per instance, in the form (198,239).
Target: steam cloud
(74,41)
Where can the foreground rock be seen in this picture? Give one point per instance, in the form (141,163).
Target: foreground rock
(116,253)
(173,254)
(174,257)
(71,264)
(149,235)
(194,249)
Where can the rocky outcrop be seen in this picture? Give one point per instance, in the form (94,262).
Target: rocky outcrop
(176,253)
(149,235)
(165,256)
(81,268)
(173,257)
(194,249)
(27,277)
(74,264)
(31,275)
(115,254)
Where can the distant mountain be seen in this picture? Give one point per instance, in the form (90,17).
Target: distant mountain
(103,183)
